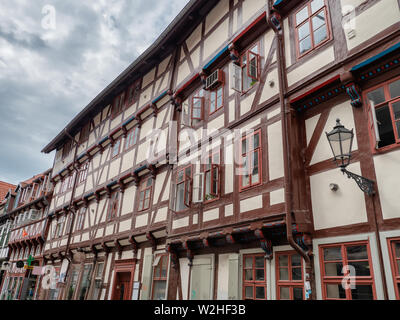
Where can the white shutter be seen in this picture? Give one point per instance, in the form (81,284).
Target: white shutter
(235,74)
(198,187)
(201,283)
(373,123)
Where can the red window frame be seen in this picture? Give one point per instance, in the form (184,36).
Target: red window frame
(246,64)
(118,105)
(388,101)
(146,185)
(254,283)
(186,180)
(113,146)
(290,283)
(131,137)
(395,264)
(311,29)
(214,94)
(212,164)
(248,156)
(337,280)
(158,272)
(83,172)
(113,206)
(199,95)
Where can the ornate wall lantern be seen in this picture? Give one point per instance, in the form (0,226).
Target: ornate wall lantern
(341,142)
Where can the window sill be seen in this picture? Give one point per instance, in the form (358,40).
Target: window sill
(387,149)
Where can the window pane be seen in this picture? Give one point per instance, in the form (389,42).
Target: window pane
(259,262)
(320,35)
(260,293)
(249,292)
(333,269)
(297,293)
(396,110)
(362,292)
(283,261)
(248,274)
(397,249)
(394,89)
(304,31)
(357,253)
(248,262)
(362,268)
(159,290)
(332,254)
(385,126)
(335,291)
(296,260)
(180,201)
(283,274)
(305,45)
(296,274)
(377,96)
(319,20)
(284,293)
(244,146)
(316,5)
(302,15)
(259,274)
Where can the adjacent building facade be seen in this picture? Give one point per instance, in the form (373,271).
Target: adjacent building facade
(203,171)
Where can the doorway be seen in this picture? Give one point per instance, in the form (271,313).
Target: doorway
(122,286)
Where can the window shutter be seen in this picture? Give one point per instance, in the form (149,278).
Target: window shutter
(373,125)
(252,70)
(198,187)
(201,279)
(185,114)
(235,74)
(233,276)
(146,277)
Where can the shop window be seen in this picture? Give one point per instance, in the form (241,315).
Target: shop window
(85,281)
(160,271)
(312,26)
(289,276)
(145,194)
(383,107)
(251,159)
(337,262)
(72,284)
(254,277)
(183,188)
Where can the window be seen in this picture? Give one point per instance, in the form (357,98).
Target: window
(131,137)
(350,255)
(383,107)
(183,188)
(71,180)
(80,219)
(216,99)
(395,259)
(246,72)
(289,276)
(113,206)
(254,284)
(98,282)
(212,177)
(59,227)
(145,194)
(118,105)
(133,93)
(72,284)
(83,172)
(160,270)
(84,133)
(312,28)
(250,168)
(115,148)
(85,281)
(197,107)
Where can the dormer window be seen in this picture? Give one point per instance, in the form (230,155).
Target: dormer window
(118,105)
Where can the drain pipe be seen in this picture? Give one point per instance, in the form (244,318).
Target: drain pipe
(275,22)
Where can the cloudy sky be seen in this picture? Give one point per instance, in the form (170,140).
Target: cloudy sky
(53,65)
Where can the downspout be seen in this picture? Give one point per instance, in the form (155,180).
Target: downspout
(275,21)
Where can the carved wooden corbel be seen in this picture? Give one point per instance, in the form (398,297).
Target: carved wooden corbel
(119,248)
(152,240)
(265,243)
(189,252)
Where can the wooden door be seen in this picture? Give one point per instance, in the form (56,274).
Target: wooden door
(122,286)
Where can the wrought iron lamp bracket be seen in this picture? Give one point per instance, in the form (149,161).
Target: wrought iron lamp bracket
(364,184)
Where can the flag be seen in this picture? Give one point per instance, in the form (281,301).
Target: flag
(24,233)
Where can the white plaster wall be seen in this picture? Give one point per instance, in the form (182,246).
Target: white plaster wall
(158,186)
(343,207)
(211,215)
(250,7)
(216,39)
(216,14)
(268,91)
(194,38)
(180,223)
(277,196)
(311,124)
(275,151)
(128,200)
(251,204)
(183,262)
(183,72)
(387,169)
(311,66)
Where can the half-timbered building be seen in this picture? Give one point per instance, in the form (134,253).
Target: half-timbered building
(204,172)
(24,233)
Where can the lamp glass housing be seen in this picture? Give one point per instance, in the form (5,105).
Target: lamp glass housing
(341,142)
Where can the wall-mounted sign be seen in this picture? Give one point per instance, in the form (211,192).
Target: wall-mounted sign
(20,264)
